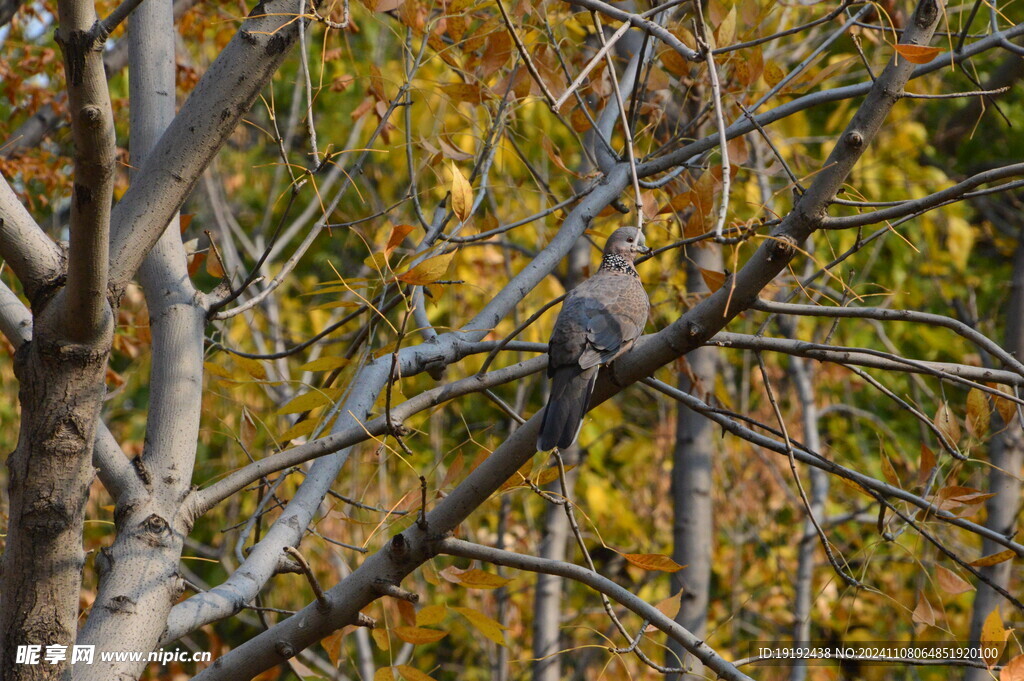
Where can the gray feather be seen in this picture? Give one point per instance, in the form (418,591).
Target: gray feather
(600,319)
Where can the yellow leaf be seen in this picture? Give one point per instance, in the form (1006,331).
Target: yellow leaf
(465,92)
(993,635)
(253,367)
(380,637)
(669,608)
(917,54)
(993,558)
(490,628)
(304,427)
(1007,409)
(773,74)
(325,364)
(726,32)
(432,614)
(398,234)
(549,475)
(428,271)
(332,644)
(978,412)
(309,401)
(947,424)
(214,267)
(653,561)
(1013,670)
(950,582)
(419,635)
(413,674)
(479,579)
(382,5)
(216,370)
(462,195)
(377,262)
(889,472)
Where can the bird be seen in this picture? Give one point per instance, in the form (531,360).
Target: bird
(599,320)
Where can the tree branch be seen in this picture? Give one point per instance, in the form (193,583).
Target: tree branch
(601,584)
(86,312)
(199,130)
(33,256)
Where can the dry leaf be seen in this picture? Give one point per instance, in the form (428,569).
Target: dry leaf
(1014,670)
(993,558)
(462,194)
(947,424)
(978,412)
(950,582)
(428,271)
(419,635)
(653,561)
(917,54)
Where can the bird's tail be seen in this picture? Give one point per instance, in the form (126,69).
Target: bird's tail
(568,402)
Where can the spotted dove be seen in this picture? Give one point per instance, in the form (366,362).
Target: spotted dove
(599,321)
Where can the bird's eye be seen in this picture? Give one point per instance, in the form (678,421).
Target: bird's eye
(629,240)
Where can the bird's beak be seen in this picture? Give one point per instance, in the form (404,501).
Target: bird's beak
(641,246)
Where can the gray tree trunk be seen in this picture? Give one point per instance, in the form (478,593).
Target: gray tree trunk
(1006,453)
(692,528)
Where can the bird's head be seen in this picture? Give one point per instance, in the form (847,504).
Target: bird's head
(626,241)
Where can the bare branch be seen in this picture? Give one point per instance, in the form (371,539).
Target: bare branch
(603,585)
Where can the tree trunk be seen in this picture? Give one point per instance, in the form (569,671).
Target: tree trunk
(691,483)
(61,392)
(1006,452)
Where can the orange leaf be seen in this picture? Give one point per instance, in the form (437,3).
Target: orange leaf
(1014,670)
(398,234)
(653,561)
(917,54)
(927,464)
(713,280)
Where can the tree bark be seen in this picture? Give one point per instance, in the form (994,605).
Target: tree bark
(692,458)
(1006,454)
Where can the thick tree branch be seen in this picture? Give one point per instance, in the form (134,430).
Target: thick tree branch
(223,95)
(32,255)
(141,567)
(86,311)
